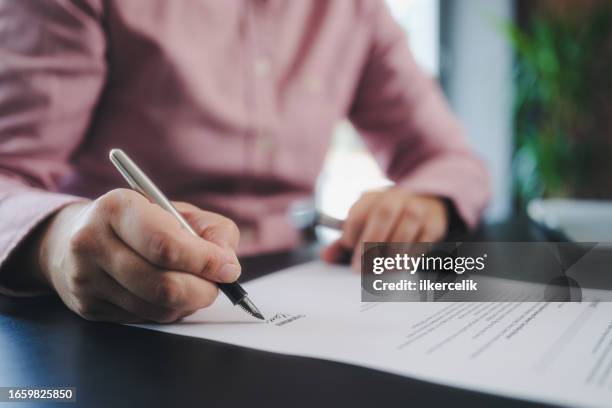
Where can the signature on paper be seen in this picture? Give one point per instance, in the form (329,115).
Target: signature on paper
(281,319)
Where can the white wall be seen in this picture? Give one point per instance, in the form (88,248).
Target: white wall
(477,75)
(420,19)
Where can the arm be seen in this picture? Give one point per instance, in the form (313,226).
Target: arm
(404,120)
(119,257)
(52,71)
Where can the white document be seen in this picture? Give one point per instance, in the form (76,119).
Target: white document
(552,352)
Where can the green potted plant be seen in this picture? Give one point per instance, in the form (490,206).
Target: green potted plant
(563,103)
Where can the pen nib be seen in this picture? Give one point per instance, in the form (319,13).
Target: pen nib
(250,308)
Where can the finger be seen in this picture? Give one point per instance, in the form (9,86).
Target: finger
(356,258)
(336,253)
(117,295)
(210,226)
(171,289)
(331,252)
(99,310)
(406,229)
(355,221)
(154,234)
(382,220)
(379,226)
(433,230)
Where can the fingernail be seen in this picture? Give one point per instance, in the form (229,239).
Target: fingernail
(229,273)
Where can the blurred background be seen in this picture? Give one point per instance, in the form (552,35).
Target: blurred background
(532,83)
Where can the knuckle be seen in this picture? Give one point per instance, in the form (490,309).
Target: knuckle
(385,210)
(169,291)
(161,249)
(83,240)
(111,201)
(223,229)
(78,283)
(411,213)
(207,265)
(211,262)
(414,207)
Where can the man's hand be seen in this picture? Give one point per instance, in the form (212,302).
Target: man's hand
(121,258)
(392,215)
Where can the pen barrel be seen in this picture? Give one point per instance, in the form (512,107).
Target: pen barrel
(329,222)
(233,291)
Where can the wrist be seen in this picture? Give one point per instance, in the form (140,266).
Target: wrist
(28,268)
(50,246)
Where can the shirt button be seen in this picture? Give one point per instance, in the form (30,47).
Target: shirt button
(262,67)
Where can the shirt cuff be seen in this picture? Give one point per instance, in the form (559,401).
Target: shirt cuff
(20,214)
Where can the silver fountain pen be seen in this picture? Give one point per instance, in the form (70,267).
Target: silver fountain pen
(142,184)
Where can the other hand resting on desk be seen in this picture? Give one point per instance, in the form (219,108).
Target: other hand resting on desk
(392,215)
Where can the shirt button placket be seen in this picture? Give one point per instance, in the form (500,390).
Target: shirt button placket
(263,71)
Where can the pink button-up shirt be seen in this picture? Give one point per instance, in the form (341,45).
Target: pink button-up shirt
(226,104)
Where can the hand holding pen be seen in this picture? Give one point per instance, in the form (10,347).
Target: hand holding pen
(122,258)
(141,183)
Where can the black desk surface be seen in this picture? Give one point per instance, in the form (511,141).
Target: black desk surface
(44,344)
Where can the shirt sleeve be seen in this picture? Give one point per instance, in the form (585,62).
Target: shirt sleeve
(404,120)
(52,69)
